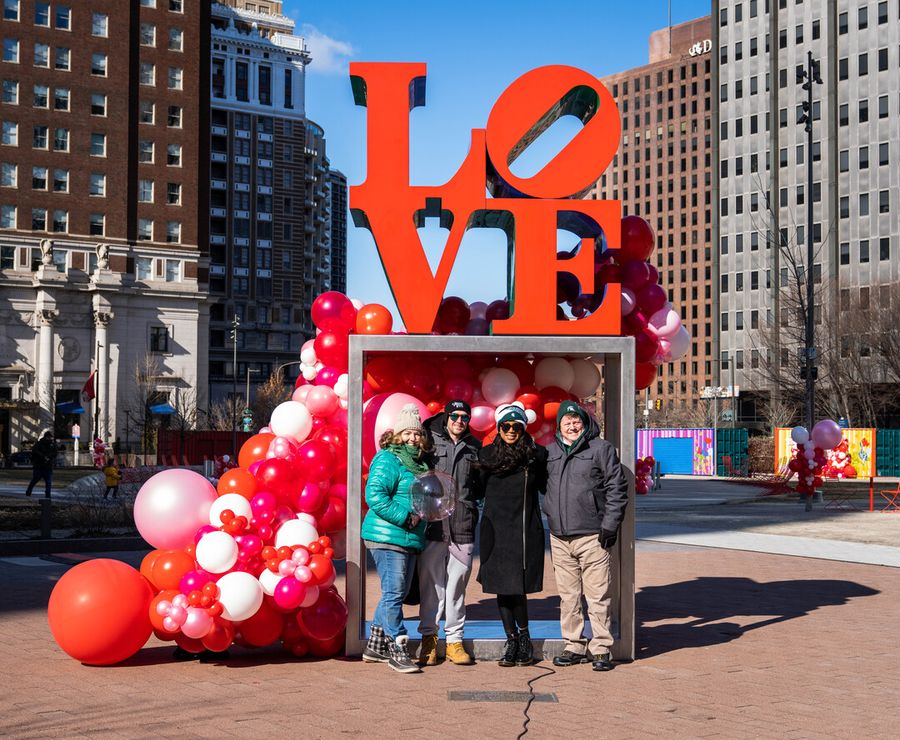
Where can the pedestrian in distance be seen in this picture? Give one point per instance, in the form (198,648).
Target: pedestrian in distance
(446,562)
(113,476)
(43,460)
(585,502)
(394,534)
(512,534)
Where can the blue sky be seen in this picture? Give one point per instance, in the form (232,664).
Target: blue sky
(473,52)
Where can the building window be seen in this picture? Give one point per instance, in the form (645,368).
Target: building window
(173,120)
(159,339)
(63,59)
(883,106)
(9,175)
(61,140)
(143,268)
(7,217)
(884,248)
(98,104)
(173,194)
(883,153)
(148,34)
(145,230)
(265,84)
(177,6)
(98,185)
(241,81)
(11,10)
(864,157)
(63,18)
(173,271)
(61,99)
(173,232)
(173,155)
(41,55)
(844,160)
(845,253)
(42,14)
(884,201)
(10,134)
(38,219)
(863,64)
(863,204)
(97,224)
(176,39)
(145,191)
(98,145)
(39,137)
(11,92)
(145,152)
(175,75)
(11,51)
(41,96)
(98,65)
(60,221)
(148,73)
(148,3)
(38,178)
(100,25)
(147,112)
(60,181)
(288,88)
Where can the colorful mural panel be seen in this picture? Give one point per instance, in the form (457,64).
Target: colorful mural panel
(854,457)
(704,447)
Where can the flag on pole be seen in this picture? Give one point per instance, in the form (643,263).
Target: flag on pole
(87,392)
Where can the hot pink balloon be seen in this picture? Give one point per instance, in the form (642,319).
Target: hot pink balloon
(194,580)
(310,498)
(289,593)
(263,505)
(327,376)
(339,490)
(665,323)
(172,506)
(202,531)
(322,401)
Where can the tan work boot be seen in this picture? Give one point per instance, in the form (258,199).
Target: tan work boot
(428,650)
(456,653)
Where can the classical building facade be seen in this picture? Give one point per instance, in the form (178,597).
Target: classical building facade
(270,210)
(762,193)
(662,173)
(103,251)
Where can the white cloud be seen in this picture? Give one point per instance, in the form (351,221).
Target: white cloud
(329,55)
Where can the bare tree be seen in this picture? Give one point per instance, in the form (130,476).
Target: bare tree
(778,411)
(224,415)
(143,394)
(268,396)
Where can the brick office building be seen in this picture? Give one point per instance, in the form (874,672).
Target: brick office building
(103,255)
(662,174)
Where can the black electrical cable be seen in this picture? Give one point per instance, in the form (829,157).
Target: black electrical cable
(531,681)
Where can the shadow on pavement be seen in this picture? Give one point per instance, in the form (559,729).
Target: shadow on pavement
(706,601)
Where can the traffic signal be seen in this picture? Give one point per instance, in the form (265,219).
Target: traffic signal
(248,420)
(658,404)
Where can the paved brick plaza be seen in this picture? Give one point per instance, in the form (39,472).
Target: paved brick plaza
(730,643)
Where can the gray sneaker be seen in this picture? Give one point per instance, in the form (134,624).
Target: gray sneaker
(376,650)
(400,660)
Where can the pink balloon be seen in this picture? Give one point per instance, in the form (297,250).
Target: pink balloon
(665,323)
(310,498)
(380,414)
(197,624)
(301,392)
(628,301)
(680,343)
(172,506)
(202,531)
(327,376)
(289,593)
(482,418)
(826,434)
(254,466)
(263,505)
(499,385)
(322,401)
(194,580)
(282,447)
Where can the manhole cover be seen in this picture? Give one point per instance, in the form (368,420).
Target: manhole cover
(521,696)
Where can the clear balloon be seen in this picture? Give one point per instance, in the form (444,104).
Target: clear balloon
(554,371)
(434,495)
(499,385)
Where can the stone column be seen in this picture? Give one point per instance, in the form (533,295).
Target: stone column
(101,323)
(46,397)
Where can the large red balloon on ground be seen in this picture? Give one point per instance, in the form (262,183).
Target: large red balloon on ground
(99,612)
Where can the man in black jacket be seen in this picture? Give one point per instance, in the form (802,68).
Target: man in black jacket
(584,503)
(43,458)
(446,562)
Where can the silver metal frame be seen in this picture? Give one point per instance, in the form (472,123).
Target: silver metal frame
(617,354)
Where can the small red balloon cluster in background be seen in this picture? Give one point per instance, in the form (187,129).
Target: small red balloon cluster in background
(643,472)
(807,463)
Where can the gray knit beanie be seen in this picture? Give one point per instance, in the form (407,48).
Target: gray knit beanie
(409,418)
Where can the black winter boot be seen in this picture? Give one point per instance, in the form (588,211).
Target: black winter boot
(510,650)
(525,655)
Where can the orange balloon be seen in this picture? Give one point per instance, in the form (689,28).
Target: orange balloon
(237,480)
(322,569)
(264,627)
(169,567)
(98,612)
(156,619)
(373,318)
(254,449)
(147,566)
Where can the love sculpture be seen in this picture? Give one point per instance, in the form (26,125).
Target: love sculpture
(529,209)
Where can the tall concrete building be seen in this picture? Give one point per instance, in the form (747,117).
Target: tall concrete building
(103,250)
(270,205)
(761,189)
(662,173)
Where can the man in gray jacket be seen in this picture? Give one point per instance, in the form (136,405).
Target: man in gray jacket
(584,503)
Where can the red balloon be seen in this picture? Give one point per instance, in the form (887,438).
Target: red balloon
(644,375)
(373,318)
(637,239)
(327,648)
(334,517)
(646,345)
(452,315)
(635,274)
(523,369)
(276,475)
(169,567)
(456,389)
(335,437)
(156,620)
(219,637)
(551,397)
(326,618)
(608,272)
(237,480)
(264,627)
(383,373)
(328,376)
(651,298)
(634,323)
(290,630)
(497,310)
(310,498)
(254,449)
(188,643)
(147,566)
(99,611)
(314,460)
(322,569)
(453,368)
(333,311)
(332,348)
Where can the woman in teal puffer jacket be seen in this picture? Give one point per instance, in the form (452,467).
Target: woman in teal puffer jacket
(394,534)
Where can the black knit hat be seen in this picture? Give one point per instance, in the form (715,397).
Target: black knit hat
(456,406)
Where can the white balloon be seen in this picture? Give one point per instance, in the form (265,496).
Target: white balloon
(308,355)
(800,435)
(240,594)
(216,552)
(341,386)
(308,372)
(234,501)
(499,385)
(554,371)
(312,596)
(679,344)
(269,581)
(295,532)
(291,419)
(587,378)
(357,304)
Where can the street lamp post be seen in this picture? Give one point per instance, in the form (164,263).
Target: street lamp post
(235,323)
(809,371)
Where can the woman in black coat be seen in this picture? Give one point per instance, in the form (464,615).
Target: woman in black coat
(514,471)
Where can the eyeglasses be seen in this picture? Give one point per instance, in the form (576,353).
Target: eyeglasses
(459,417)
(510,426)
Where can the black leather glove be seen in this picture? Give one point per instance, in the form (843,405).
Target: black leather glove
(607,539)
(412,521)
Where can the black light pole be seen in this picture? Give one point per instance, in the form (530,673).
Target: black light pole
(809,371)
(235,323)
